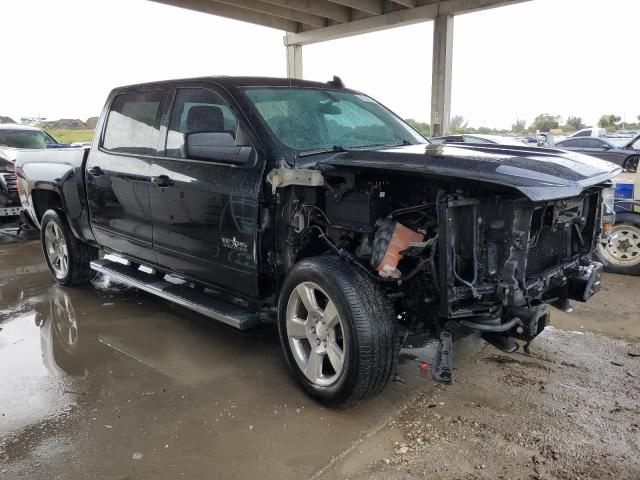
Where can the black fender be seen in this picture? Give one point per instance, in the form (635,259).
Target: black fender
(61,172)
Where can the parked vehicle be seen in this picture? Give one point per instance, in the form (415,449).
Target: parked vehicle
(621,253)
(589,132)
(12,138)
(603,148)
(313,206)
(478,139)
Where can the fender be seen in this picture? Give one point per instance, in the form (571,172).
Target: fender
(60,172)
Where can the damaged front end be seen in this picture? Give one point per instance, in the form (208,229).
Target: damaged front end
(503,261)
(453,256)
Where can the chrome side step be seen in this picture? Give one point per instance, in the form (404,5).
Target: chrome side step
(233,315)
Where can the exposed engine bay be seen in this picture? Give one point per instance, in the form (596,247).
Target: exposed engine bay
(453,257)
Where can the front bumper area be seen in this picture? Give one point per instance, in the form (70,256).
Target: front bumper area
(526,322)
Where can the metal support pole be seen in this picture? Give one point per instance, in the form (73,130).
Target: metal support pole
(441,74)
(294,61)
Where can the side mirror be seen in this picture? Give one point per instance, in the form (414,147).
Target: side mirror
(216,146)
(606,147)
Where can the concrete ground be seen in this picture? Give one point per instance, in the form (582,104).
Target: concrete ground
(105,382)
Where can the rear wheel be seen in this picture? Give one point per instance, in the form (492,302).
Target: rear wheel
(631,164)
(67,257)
(337,331)
(622,254)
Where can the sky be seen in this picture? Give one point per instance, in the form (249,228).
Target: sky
(564,57)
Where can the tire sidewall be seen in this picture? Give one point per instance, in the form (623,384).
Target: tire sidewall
(621,219)
(58,218)
(337,392)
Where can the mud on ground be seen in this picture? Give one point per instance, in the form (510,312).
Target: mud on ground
(569,410)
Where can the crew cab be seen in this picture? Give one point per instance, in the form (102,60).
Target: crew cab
(315,207)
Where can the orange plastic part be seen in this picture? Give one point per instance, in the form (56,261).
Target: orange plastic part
(401,239)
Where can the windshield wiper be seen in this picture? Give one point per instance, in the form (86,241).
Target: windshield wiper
(335,148)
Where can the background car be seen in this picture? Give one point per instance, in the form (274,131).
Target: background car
(589,132)
(14,137)
(478,139)
(605,149)
(621,254)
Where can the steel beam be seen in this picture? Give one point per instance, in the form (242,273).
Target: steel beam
(397,18)
(323,8)
(374,7)
(405,3)
(277,11)
(441,73)
(235,13)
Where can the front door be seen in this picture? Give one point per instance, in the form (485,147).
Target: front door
(118,173)
(205,213)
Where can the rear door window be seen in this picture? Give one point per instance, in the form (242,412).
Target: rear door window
(573,143)
(592,143)
(133,124)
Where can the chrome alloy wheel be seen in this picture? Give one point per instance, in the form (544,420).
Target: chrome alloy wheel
(56,249)
(623,249)
(315,333)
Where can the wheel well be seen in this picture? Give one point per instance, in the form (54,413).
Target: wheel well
(43,200)
(629,158)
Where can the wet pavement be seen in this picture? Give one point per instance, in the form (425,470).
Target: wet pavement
(107,382)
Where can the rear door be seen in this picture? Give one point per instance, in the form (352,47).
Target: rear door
(205,212)
(600,149)
(572,144)
(118,173)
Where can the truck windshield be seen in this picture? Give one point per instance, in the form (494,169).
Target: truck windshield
(25,139)
(316,119)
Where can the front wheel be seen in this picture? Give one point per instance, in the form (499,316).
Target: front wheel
(622,254)
(67,257)
(337,331)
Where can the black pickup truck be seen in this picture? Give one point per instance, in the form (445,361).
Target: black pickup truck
(312,205)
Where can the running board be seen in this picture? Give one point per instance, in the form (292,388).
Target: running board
(233,315)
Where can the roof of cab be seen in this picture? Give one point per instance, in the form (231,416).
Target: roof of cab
(241,82)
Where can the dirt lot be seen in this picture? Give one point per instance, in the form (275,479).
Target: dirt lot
(105,382)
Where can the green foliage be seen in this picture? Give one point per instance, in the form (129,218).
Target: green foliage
(459,124)
(519,126)
(422,127)
(574,123)
(608,121)
(71,136)
(545,122)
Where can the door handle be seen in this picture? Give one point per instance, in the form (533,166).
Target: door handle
(162,181)
(96,171)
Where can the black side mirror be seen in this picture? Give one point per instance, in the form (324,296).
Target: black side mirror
(216,146)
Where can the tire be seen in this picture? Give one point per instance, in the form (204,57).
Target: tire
(631,164)
(58,242)
(623,256)
(361,324)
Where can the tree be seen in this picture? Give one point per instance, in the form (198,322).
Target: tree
(608,121)
(458,124)
(519,126)
(575,123)
(422,127)
(546,122)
